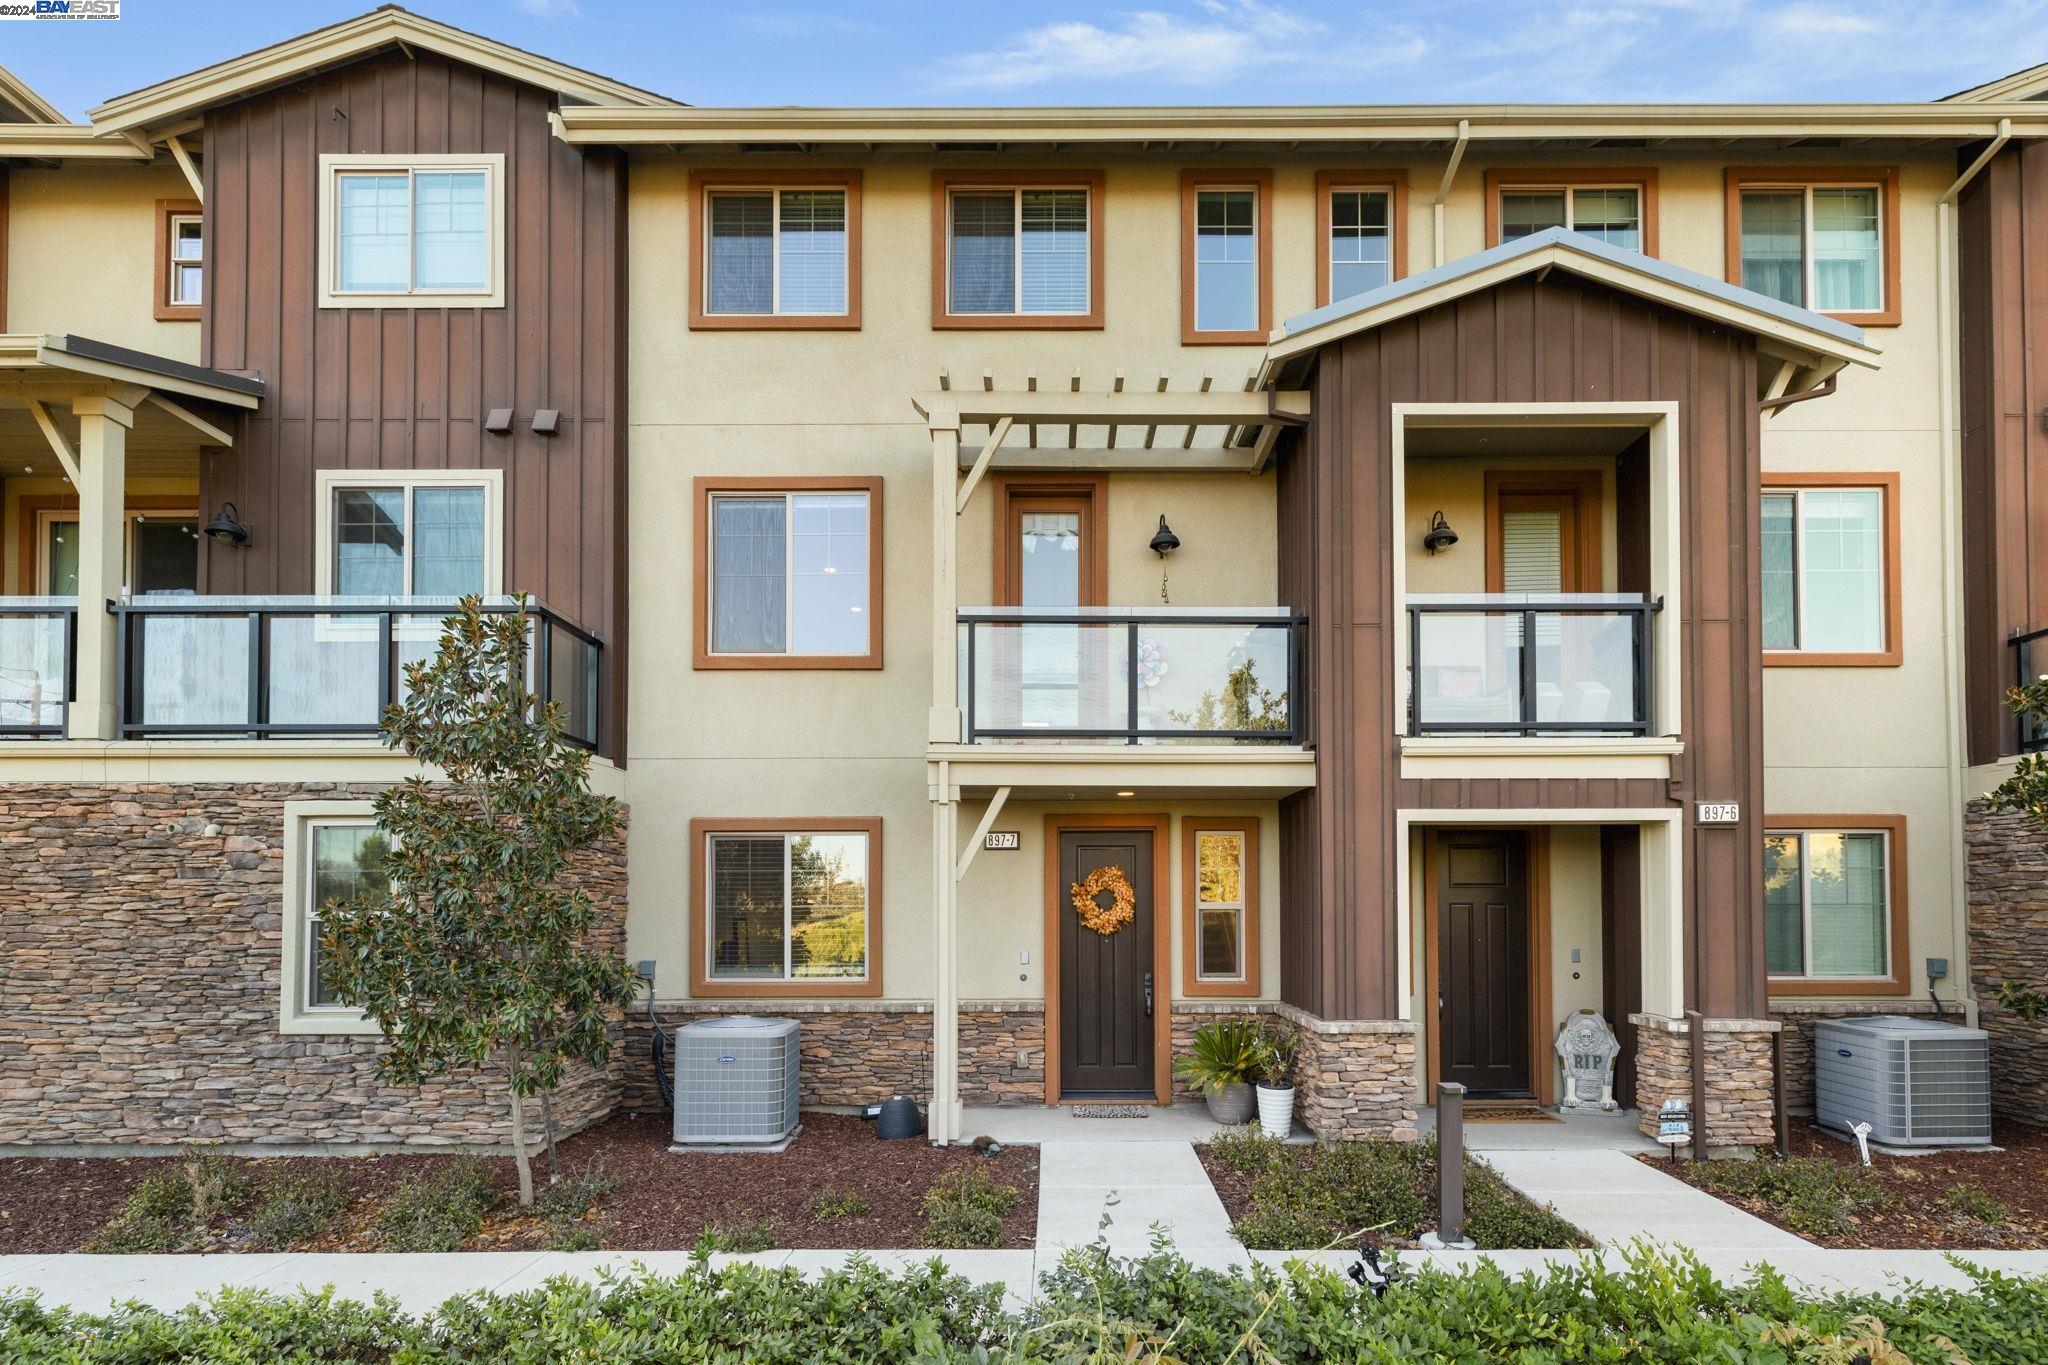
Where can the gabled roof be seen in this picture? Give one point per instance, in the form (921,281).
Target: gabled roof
(33,107)
(385,27)
(2028,84)
(1812,340)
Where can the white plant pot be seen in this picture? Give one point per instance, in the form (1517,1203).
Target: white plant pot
(1276,1110)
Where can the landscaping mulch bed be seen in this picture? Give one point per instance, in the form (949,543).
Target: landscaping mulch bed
(664,1200)
(1914,1199)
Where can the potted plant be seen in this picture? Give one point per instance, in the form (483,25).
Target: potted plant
(1220,1063)
(1275,1075)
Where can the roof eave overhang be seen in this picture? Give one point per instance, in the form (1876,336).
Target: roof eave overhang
(65,142)
(61,353)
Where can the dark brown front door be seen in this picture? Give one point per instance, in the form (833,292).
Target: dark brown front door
(1483,962)
(1106,985)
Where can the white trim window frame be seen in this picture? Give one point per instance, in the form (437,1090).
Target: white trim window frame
(177,266)
(1017,193)
(1224,241)
(330,482)
(297,1014)
(1799,571)
(774,194)
(1884,935)
(790,573)
(1809,275)
(1242,910)
(1571,192)
(789,838)
(334,167)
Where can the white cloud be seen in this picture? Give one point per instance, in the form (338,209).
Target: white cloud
(1819,21)
(549,9)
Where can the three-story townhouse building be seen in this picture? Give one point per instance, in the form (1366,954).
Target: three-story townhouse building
(1408,573)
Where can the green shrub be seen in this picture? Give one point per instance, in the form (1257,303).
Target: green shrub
(966,1208)
(174,1210)
(838,1204)
(1815,1196)
(1226,1051)
(567,1202)
(744,1237)
(295,1209)
(439,1212)
(1248,1150)
(1972,1202)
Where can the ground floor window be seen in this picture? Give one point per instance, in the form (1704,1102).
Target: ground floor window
(1832,901)
(787,905)
(334,852)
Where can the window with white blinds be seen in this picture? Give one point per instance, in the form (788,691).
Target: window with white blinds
(1018,252)
(1531,551)
(776,252)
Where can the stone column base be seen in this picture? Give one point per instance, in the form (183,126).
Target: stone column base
(1355,1078)
(1741,1117)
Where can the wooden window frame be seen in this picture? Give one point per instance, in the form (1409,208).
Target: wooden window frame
(328,256)
(703,489)
(945,183)
(162,307)
(1893,653)
(1394,184)
(705,986)
(328,482)
(1010,489)
(1898,980)
(1885,178)
(1642,179)
(1583,487)
(1192,983)
(703,184)
(1192,183)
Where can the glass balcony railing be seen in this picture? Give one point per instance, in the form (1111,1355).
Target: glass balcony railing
(1105,675)
(316,667)
(1521,664)
(36,665)
(2030,664)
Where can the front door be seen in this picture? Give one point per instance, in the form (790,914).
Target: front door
(1106,987)
(1483,962)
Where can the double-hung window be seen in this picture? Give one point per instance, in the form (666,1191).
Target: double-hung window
(180,260)
(1831,903)
(1220,927)
(778,251)
(1359,238)
(1613,206)
(790,573)
(1025,255)
(1226,253)
(1830,569)
(1821,243)
(411,534)
(412,232)
(333,853)
(790,904)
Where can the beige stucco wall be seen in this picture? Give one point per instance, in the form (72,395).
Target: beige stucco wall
(1456,486)
(81,255)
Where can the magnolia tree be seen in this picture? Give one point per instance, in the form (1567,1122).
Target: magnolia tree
(2026,792)
(478,954)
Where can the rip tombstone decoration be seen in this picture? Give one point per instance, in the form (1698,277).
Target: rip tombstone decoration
(1587,1048)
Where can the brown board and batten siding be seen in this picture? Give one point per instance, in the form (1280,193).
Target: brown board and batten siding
(1556,340)
(2003,259)
(408,388)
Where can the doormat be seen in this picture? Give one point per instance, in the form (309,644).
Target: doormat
(1510,1113)
(1109,1111)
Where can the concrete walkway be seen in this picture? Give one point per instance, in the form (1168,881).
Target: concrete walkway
(1137,1186)
(1616,1199)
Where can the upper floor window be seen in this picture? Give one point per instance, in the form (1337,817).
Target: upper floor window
(1824,240)
(1226,256)
(1830,547)
(788,573)
(180,260)
(1360,240)
(1017,254)
(1834,904)
(777,250)
(412,232)
(416,533)
(1616,206)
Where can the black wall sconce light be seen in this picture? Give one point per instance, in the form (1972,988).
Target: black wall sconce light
(227,528)
(1440,536)
(1164,541)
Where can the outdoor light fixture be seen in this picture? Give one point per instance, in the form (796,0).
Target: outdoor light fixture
(1164,542)
(227,527)
(1440,536)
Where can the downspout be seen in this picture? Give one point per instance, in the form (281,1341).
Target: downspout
(1948,321)
(1443,191)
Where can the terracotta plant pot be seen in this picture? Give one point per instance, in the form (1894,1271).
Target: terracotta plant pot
(1231,1104)
(1276,1110)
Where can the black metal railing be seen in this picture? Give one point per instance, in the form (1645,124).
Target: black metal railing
(1519,664)
(1202,676)
(317,667)
(2030,661)
(38,665)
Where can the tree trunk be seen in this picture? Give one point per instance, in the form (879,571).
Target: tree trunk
(547,1123)
(519,1155)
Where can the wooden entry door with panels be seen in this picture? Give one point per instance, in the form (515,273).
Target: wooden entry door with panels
(1480,886)
(1108,996)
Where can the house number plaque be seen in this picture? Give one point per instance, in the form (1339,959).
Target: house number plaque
(1000,839)
(1719,812)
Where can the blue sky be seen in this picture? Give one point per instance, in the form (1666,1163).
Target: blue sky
(1152,51)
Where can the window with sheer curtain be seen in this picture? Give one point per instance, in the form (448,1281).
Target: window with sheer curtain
(1018,252)
(402,539)
(1816,246)
(776,252)
(1612,213)
(1827,903)
(1226,260)
(789,573)
(1824,570)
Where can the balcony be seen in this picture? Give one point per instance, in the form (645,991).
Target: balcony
(1524,664)
(2030,665)
(268,667)
(1111,676)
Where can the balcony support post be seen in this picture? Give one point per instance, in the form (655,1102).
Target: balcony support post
(943,726)
(943,1119)
(103,425)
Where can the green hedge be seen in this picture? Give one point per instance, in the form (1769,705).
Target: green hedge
(1093,1308)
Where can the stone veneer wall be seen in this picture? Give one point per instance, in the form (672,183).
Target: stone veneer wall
(1352,1079)
(1741,1106)
(141,931)
(2008,918)
(1798,1020)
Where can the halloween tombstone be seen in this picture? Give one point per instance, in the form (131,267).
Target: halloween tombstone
(1587,1049)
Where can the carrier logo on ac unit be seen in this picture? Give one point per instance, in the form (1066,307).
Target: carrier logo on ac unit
(728,1059)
